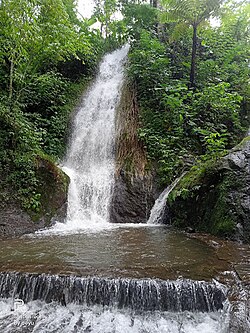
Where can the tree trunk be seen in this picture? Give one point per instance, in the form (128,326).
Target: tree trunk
(193,60)
(154,3)
(106,29)
(101,29)
(11,85)
(11,80)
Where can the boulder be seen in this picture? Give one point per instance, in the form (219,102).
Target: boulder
(15,220)
(214,196)
(132,199)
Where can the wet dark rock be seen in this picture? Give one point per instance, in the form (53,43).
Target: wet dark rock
(133,195)
(190,230)
(15,220)
(215,196)
(54,190)
(239,297)
(132,199)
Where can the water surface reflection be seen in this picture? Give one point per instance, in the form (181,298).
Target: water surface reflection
(128,252)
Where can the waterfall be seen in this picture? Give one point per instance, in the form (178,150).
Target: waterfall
(35,303)
(158,211)
(135,294)
(89,160)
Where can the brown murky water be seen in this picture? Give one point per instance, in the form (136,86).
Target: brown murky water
(123,251)
(126,252)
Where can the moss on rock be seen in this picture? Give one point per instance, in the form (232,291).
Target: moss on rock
(53,188)
(214,196)
(49,200)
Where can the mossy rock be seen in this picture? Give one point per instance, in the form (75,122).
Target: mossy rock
(53,189)
(214,196)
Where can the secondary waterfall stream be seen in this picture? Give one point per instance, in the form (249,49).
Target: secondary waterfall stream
(158,211)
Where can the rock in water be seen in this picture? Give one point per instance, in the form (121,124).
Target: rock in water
(131,200)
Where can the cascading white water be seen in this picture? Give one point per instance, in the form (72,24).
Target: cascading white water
(54,303)
(90,158)
(39,317)
(158,210)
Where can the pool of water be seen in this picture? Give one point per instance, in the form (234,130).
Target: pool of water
(154,252)
(126,251)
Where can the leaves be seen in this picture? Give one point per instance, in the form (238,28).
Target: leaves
(181,125)
(39,39)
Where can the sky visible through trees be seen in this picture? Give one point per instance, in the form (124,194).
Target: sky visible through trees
(85,7)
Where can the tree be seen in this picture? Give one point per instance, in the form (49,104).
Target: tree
(139,17)
(39,39)
(191,13)
(104,9)
(18,30)
(35,36)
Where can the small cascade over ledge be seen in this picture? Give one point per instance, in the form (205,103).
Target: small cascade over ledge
(135,294)
(158,211)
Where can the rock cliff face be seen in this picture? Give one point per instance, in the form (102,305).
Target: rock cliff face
(54,190)
(215,197)
(14,220)
(237,172)
(132,199)
(133,195)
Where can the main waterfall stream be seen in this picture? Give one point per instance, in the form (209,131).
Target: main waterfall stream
(88,275)
(90,158)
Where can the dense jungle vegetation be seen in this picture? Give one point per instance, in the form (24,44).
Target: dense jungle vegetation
(47,53)
(191,79)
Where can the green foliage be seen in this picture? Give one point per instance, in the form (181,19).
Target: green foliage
(46,56)
(36,36)
(138,18)
(57,127)
(215,142)
(214,110)
(189,13)
(20,142)
(148,66)
(180,125)
(104,10)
